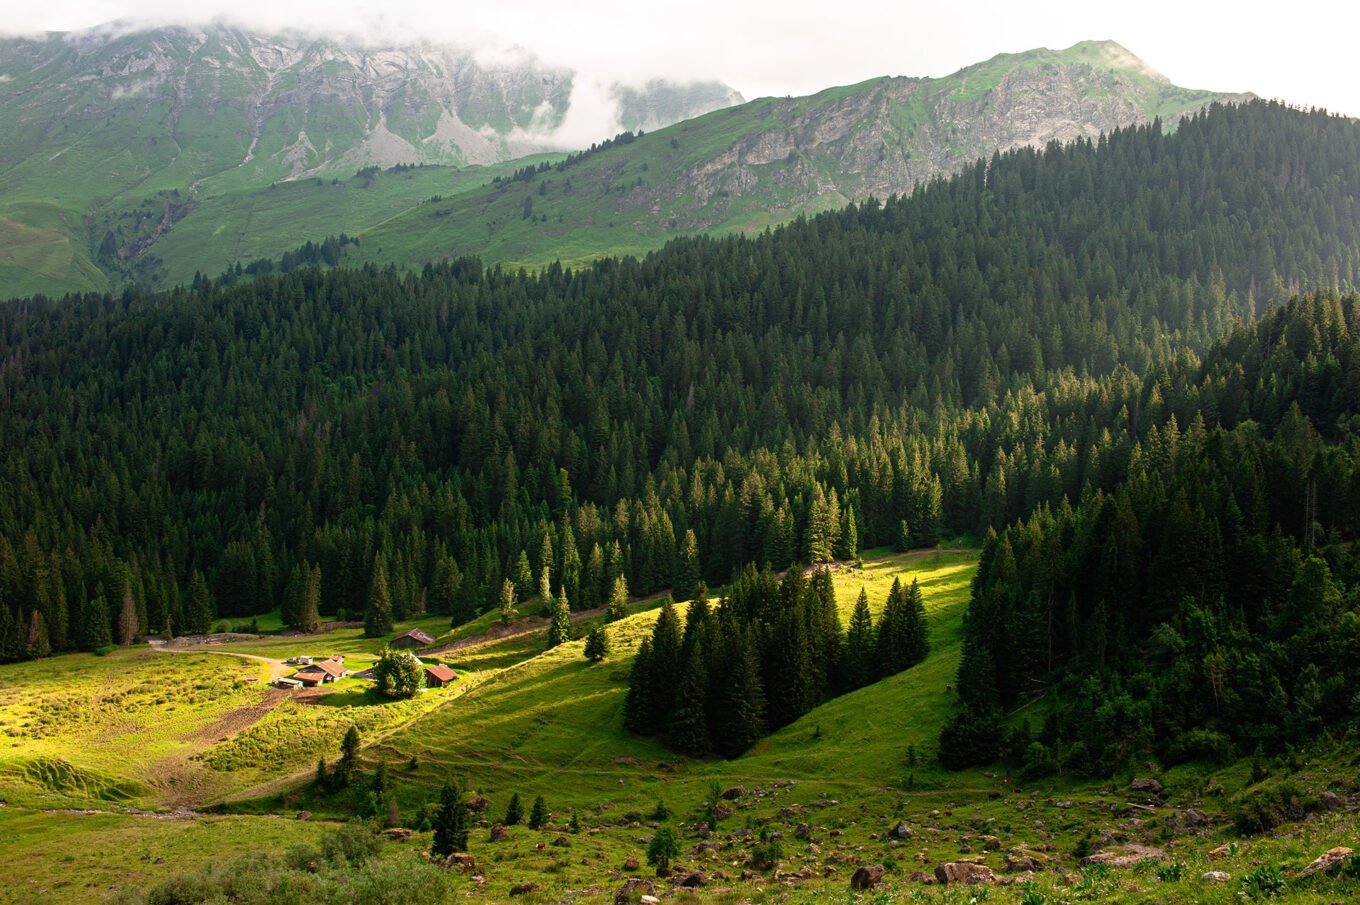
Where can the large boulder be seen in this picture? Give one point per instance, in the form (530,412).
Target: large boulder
(693,880)
(1326,862)
(462,862)
(499,833)
(632,890)
(1217,876)
(523,889)
(965,872)
(1149,786)
(867,877)
(901,831)
(1016,862)
(734,793)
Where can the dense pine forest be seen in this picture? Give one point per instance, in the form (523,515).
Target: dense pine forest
(1034,347)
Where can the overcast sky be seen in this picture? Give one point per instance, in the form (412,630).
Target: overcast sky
(1303,51)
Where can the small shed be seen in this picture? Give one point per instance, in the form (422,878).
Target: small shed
(412,638)
(320,673)
(285,682)
(439,676)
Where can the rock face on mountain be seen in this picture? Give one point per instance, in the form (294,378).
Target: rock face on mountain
(887,135)
(278,107)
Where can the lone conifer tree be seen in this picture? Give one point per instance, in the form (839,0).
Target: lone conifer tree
(559,632)
(662,849)
(508,612)
(514,811)
(378,613)
(597,644)
(741,711)
(451,821)
(349,757)
(618,600)
(894,643)
(538,814)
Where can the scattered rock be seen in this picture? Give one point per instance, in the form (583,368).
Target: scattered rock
(789,812)
(1326,862)
(1193,819)
(1222,851)
(304,815)
(1016,862)
(398,833)
(1126,856)
(693,880)
(1216,876)
(159,861)
(802,831)
(1022,877)
(478,804)
(562,842)
(632,889)
(920,876)
(464,862)
(867,877)
(523,889)
(649,900)
(901,831)
(1329,801)
(723,811)
(631,864)
(991,844)
(499,833)
(963,872)
(1150,786)
(734,793)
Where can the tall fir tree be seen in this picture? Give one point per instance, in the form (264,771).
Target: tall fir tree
(452,820)
(559,630)
(538,814)
(638,706)
(597,644)
(618,601)
(687,724)
(378,611)
(688,570)
(741,699)
(198,612)
(857,665)
(309,609)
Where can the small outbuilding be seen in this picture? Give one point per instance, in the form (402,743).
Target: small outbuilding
(320,673)
(439,676)
(412,638)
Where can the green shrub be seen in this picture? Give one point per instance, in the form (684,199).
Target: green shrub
(1264,882)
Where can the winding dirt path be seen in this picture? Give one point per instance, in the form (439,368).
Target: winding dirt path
(276,667)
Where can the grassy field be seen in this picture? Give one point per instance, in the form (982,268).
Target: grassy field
(522,720)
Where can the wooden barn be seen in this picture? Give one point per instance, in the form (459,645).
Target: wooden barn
(438,676)
(413,638)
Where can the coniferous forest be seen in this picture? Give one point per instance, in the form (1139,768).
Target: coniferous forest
(1085,354)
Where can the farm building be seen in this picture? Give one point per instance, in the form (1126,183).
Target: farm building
(438,676)
(320,673)
(413,638)
(301,660)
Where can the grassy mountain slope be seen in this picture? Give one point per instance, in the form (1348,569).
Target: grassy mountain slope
(748,167)
(104,122)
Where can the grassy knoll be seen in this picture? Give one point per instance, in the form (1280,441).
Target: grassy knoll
(52,857)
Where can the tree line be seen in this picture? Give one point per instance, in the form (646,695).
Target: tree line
(893,373)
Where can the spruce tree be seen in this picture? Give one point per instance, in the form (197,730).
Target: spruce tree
(559,631)
(378,612)
(894,641)
(291,608)
(666,663)
(514,811)
(524,575)
(688,570)
(903,537)
(451,821)
(538,814)
(687,725)
(36,643)
(618,601)
(597,644)
(847,546)
(740,717)
(508,613)
(127,617)
(96,630)
(545,584)
(638,708)
(348,763)
(662,849)
(918,629)
(857,666)
(309,610)
(198,613)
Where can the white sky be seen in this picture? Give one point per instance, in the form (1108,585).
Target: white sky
(1301,51)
